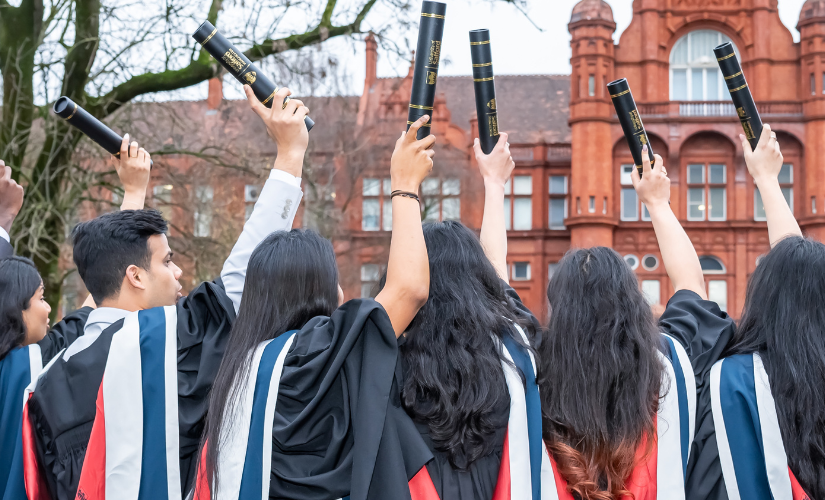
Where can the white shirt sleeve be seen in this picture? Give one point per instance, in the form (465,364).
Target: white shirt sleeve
(5,235)
(274,211)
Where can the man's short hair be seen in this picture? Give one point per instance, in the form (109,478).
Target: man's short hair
(106,246)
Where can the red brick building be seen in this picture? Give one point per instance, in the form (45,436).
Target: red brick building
(571,185)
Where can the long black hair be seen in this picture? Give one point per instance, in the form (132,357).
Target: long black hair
(784,321)
(292,277)
(19,280)
(601,372)
(454,380)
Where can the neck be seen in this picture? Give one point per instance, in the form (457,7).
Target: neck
(121,302)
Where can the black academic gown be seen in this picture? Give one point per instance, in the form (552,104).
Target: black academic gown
(6,249)
(61,336)
(62,408)
(704,331)
(339,428)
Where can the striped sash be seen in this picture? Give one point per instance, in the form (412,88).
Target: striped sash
(133,452)
(662,476)
(751,452)
(245,459)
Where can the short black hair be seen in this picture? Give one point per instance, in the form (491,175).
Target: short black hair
(106,246)
(19,280)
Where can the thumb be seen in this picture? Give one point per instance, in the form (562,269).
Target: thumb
(746,146)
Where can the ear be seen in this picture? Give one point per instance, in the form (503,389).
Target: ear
(133,278)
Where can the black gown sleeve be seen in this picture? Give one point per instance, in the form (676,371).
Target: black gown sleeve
(205,319)
(704,331)
(69,329)
(339,428)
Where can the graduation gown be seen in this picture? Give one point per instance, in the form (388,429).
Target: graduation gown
(751,452)
(62,407)
(18,369)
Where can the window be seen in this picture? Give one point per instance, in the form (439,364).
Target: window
(711,265)
(558,201)
(203,211)
(520,271)
(591,206)
(813,204)
(370,275)
(591,86)
(376,213)
(628,199)
(163,198)
(694,71)
(711,188)
(823,82)
(518,204)
(632,261)
(251,193)
(441,199)
(786,184)
(651,289)
(718,292)
(650,262)
(551,270)
(813,84)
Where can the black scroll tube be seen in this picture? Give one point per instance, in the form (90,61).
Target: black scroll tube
(631,121)
(740,93)
(238,65)
(427,57)
(93,128)
(485,87)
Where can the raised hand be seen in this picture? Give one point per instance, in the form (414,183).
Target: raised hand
(497,167)
(653,187)
(133,169)
(11,197)
(765,162)
(412,160)
(285,125)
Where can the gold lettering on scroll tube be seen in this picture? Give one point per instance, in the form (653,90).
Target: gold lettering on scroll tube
(250,77)
(635,120)
(492,121)
(642,139)
(746,125)
(431,77)
(492,104)
(233,60)
(435,53)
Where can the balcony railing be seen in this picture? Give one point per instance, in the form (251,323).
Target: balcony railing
(716,109)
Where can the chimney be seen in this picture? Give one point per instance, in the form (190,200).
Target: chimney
(372,62)
(215,96)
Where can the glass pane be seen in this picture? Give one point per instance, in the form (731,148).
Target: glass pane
(712,85)
(163,193)
(680,84)
(679,55)
(788,193)
(551,270)
(386,225)
(370,215)
(651,289)
(625,178)
(630,205)
(431,187)
(372,187)
(366,290)
(522,184)
(697,84)
(203,223)
(507,186)
(432,211)
(521,271)
(696,174)
(591,86)
(451,208)
(758,206)
(717,174)
(387,187)
(523,214)
(557,209)
(645,213)
(716,208)
(591,205)
(701,47)
(558,184)
(786,174)
(718,292)
(370,272)
(696,204)
(507,218)
(451,187)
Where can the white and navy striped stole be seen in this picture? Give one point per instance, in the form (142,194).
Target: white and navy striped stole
(133,453)
(751,452)
(245,459)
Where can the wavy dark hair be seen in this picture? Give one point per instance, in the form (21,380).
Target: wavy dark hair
(784,321)
(600,373)
(454,380)
(292,277)
(19,280)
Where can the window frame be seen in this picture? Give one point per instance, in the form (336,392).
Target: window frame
(722,92)
(510,198)
(706,186)
(557,196)
(383,196)
(513,271)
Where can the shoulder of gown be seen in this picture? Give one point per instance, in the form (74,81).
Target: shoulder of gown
(62,334)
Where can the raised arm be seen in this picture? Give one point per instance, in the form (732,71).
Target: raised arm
(764,165)
(678,254)
(495,169)
(408,271)
(11,201)
(279,199)
(133,169)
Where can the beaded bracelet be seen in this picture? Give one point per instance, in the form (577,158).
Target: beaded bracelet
(405,194)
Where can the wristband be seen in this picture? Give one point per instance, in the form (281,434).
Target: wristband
(405,194)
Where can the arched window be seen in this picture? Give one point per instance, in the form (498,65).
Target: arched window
(694,72)
(711,265)
(717,288)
